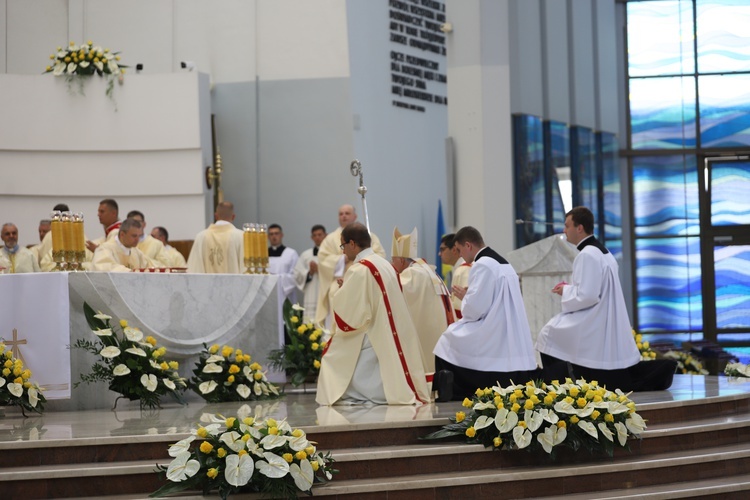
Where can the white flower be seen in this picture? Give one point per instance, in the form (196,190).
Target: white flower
(505,420)
(154,364)
(137,351)
(169,383)
(182,467)
(112,65)
(622,433)
(212,368)
(635,424)
(110,352)
(615,407)
(257,389)
(243,391)
(565,407)
(133,334)
(2,381)
(239,469)
(521,436)
(284,426)
(486,405)
(588,428)
(33,397)
(275,467)
(215,358)
(101,315)
(552,436)
(533,419)
(483,421)
(120,370)
(207,387)
(233,440)
(149,382)
(273,389)
(180,446)
(254,448)
(107,332)
(549,415)
(273,441)
(303,475)
(72,67)
(59,69)
(84,64)
(298,443)
(605,431)
(99,65)
(15,389)
(297,307)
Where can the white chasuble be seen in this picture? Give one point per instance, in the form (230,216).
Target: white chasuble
(217,249)
(174,257)
(307,284)
(154,250)
(23,261)
(112,256)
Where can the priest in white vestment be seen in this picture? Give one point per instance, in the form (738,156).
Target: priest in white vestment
(281,262)
(121,254)
(491,343)
(15,259)
(172,256)
(306,273)
(426,295)
(109,218)
(374,356)
(218,248)
(150,246)
(593,331)
(45,225)
(332,264)
(459,275)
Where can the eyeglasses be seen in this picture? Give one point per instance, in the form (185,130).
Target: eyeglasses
(341,246)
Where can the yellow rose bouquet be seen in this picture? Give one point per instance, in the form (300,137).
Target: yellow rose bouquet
(86,59)
(687,363)
(576,414)
(16,387)
(244,453)
(228,374)
(132,365)
(644,347)
(300,357)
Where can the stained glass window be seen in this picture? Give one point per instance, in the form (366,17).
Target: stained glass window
(725,110)
(528,152)
(583,171)
(662,113)
(730,193)
(732,271)
(557,149)
(722,35)
(606,145)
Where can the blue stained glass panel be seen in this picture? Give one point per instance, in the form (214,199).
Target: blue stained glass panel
(528,154)
(560,158)
(611,186)
(732,268)
(660,38)
(583,171)
(730,193)
(662,113)
(725,110)
(723,38)
(668,281)
(665,196)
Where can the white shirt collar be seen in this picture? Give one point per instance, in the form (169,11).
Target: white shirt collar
(364,253)
(122,247)
(222,222)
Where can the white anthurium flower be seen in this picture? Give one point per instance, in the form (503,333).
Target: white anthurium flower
(99,65)
(243,391)
(551,437)
(239,469)
(182,467)
(484,405)
(73,48)
(109,56)
(212,368)
(233,440)
(549,415)
(284,426)
(586,410)
(274,466)
(635,424)
(257,389)
(215,358)
(483,421)
(565,407)
(254,448)
(505,420)
(605,431)
(106,332)
(243,411)
(72,67)
(149,381)
(97,49)
(15,389)
(112,65)
(61,54)
(207,387)
(100,315)
(622,433)
(588,428)
(180,446)
(247,372)
(212,429)
(272,441)
(297,307)
(120,370)
(136,351)
(2,381)
(273,389)
(298,443)
(110,352)
(169,384)
(522,437)
(154,364)
(59,69)
(615,407)
(133,334)
(264,388)
(33,396)
(533,419)
(303,475)
(255,433)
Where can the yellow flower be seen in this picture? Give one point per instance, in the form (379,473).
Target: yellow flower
(300,455)
(487,391)
(212,473)
(594,383)
(288,457)
(8,354)
(499,405)
(248,420)
(574,419)
(202,432)
(242,452)
(466,403)
(313,337)
(230,379)
(314,346)
(233,369)
(522,423)
(310,450)
(529,405)
(316,364)
(597,399)
(213,349)
(174,365)
(294,319)
(460,416)
(581,402)
(609,417)
(229,422)
(301,329)
(8,363)
(227,351)
(123,323)
(246,358)
(18,380)
(574,391)
(273,430)
(151,340)
(221,453)
(255,366)
(26,375)
(515,407)
(164,365)
(548,399)
(595,414)
(17,371)
(512,398)
(497,442)
(27,385)
(6,372)
(561,424)
(318,332)
(646,345)
(479,392)
(117,58)
(568,400)
(271,422)
(238,354)
(257,375)
(314,464)
(471,432)
(246,437)
(206,447)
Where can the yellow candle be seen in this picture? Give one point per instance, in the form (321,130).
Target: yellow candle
(57,235)
(254,243)
(78,237)
(246,244)
(68,239)
(264,244)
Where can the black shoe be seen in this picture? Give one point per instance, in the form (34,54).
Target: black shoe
(442,382)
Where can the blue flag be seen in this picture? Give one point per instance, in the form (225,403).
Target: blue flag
(440,234)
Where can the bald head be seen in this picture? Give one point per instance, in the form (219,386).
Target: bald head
(225,211)
(347,215)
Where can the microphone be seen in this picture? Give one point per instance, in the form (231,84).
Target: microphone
(521,221)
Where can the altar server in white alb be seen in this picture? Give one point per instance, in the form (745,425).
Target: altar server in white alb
(426,295)
(491,343)
(218,248)
(306,273)
(120,254)
(374,356)
(281,262)
(593,331)
(14,258)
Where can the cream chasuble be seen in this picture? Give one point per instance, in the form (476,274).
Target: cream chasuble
(309,288)
(154,250)
(460,278)
(174,257)
(370,306)
(113,257)
(429,305)
(23,261)
(217,249)
(46,263)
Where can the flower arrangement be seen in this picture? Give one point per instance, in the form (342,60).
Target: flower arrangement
(227,374)
(686,363)
(132,365)
(85,60)
(647,354)
(737,370)
(573,414)
(248,454)
(301,356)
(16,387)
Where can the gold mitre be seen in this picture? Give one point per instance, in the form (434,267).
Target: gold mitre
(404,245)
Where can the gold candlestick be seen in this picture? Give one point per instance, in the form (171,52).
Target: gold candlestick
(263,249)
(247,242)
(79,241)
(68,241)
(58,253)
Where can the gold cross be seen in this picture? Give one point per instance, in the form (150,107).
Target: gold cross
(14,346)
